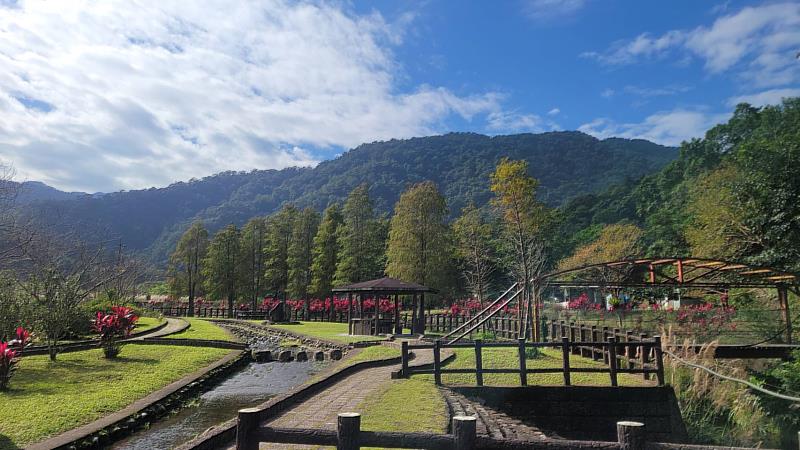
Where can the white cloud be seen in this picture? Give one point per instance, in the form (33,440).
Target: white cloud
(552,9)
(759,43)
(124,94)
(554,112)
(770,97)
(607,93)
(666,127)
(511,122)
(664,91)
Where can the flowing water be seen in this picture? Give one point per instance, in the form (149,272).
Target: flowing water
(249,387)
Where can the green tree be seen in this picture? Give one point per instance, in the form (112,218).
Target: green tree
(362,240)
(253,259)
(473,239)
(326,252)
(279,236)
(300,254)
(524,220)
(185,264)
(419,248)
(221,266)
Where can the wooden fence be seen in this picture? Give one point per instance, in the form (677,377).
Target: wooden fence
(503,326)
(567,346)
(348,436)
(259,314)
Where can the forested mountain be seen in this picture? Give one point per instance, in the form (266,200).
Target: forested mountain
(566,163)
(735,194)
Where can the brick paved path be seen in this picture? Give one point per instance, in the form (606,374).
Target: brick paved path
(490,422)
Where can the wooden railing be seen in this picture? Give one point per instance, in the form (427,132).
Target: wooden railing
(567,346)
(503,326)
(259,314)
(349,436)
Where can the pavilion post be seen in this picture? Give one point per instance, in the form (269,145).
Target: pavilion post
(421,316)
(397,328)
(377,312)
(350,313)
(414,315)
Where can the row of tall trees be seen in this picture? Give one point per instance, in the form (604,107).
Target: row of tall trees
(298,254)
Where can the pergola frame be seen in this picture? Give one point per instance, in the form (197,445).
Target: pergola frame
(386,287)
(684,272)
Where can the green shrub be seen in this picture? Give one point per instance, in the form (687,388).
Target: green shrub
(486,336)
(533,352)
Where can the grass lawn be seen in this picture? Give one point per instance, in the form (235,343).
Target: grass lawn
(372,353)
(202,329)
(507,358)
(145,323)
(329,331)
(47,398)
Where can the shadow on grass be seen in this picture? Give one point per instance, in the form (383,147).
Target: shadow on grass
(7,444)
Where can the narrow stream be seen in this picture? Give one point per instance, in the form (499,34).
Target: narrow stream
(249,387)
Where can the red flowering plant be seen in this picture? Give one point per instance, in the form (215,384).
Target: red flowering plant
(113,327)
(705,320)
(9,355)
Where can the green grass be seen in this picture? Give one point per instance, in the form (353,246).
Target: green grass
(203,329)
(389,410)
(47,398)
(145,323)
(374,352)
(329,331)
(507,358)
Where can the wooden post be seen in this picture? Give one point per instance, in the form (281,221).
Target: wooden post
(630,350)
(437,363)
(659,360)
(644,356)
(523,369)
(594,339)
(582,338)
(631,436)
(464,432)
(612,359)
(572,336)
(783,300)
(421,313)
(404,358)
(605,349)
(349,313)
(414,315)
(565,354)
(398,329)
(348,430)
(478,363)
(247,422)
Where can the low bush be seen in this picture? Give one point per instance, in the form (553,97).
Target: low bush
(113,327)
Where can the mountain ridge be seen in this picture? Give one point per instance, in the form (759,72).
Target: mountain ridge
(567,163)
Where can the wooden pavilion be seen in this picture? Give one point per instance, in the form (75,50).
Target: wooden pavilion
(370,322)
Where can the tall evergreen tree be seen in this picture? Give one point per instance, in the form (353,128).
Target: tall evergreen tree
(326,252)
(419,247)
(279,236)
(362,240)
(253,260)
(185,268)
(300,254)
(222,264)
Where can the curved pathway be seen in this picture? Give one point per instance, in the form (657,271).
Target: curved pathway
(174,325)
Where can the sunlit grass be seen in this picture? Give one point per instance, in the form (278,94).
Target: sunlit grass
(203,329)
(47,398)
(329,331)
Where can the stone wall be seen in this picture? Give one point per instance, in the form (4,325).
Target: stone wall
(586,412)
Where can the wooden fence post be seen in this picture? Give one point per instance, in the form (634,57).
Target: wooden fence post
(565,353)
(594,339)
(644,356)
(630,350)
(464,432)
(348,429)
(437,363)
(659,360)
(605,349)
(631,436)
(247,422)
(404,358)
(523,369)
(478,362)
(612,359)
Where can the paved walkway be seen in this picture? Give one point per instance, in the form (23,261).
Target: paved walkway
(174,325)
(320,411)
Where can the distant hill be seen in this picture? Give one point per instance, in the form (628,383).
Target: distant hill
(566,163)
(36,191)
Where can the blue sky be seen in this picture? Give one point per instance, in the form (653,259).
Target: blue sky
(102,96)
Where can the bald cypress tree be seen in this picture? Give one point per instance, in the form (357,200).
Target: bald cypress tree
(420,247)
(326,252)
(279,237)
(185,263)
(253,260)
(221,266)
(300,254)
(362,240)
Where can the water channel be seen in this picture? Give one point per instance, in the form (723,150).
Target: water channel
(249,387)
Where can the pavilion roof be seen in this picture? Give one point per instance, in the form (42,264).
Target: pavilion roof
(385,285)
